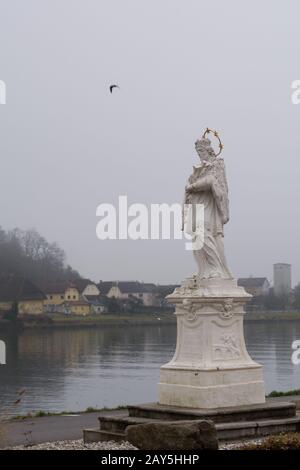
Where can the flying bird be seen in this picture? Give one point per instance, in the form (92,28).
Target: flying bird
(112,87)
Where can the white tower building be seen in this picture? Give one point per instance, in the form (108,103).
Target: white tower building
(282,278)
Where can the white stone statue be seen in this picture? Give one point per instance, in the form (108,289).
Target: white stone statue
(211,367)
(207,185)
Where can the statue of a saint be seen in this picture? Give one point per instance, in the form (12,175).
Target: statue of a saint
(207,185)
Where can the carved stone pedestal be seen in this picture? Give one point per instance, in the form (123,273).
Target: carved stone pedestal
(211,367)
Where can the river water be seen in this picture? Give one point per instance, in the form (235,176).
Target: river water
(70,370)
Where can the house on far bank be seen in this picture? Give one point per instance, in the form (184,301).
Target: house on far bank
(90,293)
(105,286)
(16,290)
(76,307)
(64,297)
(97,303)
(256,286)
(125,290)
(59,292)
(86,287)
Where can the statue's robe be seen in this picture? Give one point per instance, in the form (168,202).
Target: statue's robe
(211,190)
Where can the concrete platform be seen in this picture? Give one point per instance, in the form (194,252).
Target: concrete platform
(232,423)
(218,415)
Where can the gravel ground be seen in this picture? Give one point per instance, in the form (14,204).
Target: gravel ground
(77,445)
(111,445)
(235,444)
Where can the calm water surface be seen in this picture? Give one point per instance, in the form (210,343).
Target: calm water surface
(109,366)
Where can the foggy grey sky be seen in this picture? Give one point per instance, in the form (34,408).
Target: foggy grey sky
(66,144)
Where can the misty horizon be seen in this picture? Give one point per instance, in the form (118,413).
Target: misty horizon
(68,144)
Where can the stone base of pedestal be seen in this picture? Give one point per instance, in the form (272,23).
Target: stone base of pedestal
(208,389)
(253,421)
(211,367)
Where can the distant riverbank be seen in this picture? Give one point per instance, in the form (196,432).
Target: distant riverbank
(272,316)
(133,319)
(90,321)
(137,319)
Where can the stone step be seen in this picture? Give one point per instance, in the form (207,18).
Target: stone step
(226,431)
(254,429)
(119,423)
(267,410)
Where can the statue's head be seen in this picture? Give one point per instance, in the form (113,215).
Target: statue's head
(204,149)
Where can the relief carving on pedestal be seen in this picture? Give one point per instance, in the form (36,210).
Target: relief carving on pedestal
(227,347)
(190,311)
(227,309)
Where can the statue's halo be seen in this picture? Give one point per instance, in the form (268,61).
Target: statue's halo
(216,134)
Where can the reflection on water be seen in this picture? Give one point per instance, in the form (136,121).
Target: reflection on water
(270,343)
(74,369)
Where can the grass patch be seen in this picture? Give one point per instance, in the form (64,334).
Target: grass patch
(288,441)
(289,393)
(43,414)
(90,409)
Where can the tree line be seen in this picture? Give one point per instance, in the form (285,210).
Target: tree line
(274,302)
(27,253)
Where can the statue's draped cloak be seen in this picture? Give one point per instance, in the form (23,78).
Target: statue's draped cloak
(214,197)
(214,173)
